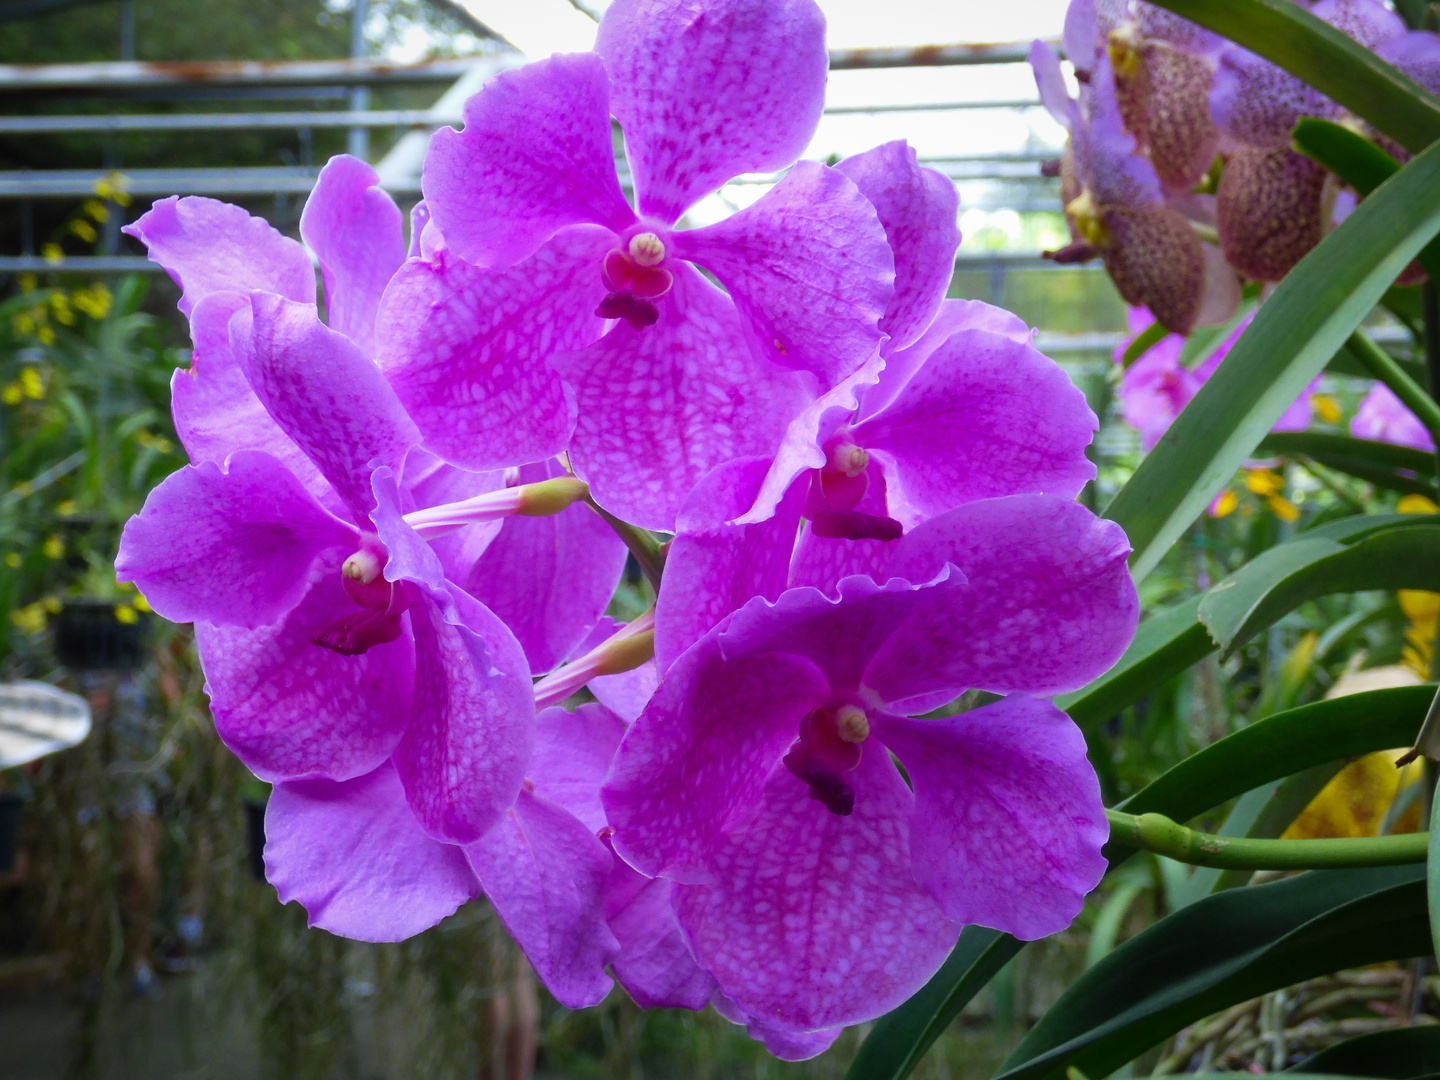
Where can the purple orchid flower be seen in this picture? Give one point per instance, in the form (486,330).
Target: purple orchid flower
(1273,203)
(332,638)
(1118,208)
(549,300)
(812,883)
(970,411)
(1157,386)
(1383,417)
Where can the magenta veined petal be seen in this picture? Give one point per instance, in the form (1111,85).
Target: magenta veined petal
(706,92)
(354,857)
(535,156)
(1016,769)
(209,246)
(355,230)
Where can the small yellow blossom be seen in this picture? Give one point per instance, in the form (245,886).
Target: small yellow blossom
(1283,508)
(1326,407)
(28,283)
(112,187)
(12,559)
(13,394)
(32,384)
(46,335)
(1417,504)
(25,323)
(52,253)
(60,305)
(126,614)
(52,604)
(94,301)
(30,618)
(1225,504)
(96,209)
(84,230)
(54,547)
(140,603)
(66,507)
(1264,482)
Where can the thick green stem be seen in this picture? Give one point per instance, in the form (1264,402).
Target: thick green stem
(647,550)
(1383,366)
(1151,335)
(1157,833)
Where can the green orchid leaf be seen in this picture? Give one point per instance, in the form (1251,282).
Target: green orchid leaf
(1165,645)
(1219,951)
(900,1038)
(1395,468)
(1406,556)
(1403,1053)
(1338,66)
(1293,335)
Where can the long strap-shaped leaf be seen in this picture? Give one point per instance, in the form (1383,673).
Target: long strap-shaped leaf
(1311,314)
(1222,950)
(1287,35)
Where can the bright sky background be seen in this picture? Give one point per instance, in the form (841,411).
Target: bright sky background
(541,27)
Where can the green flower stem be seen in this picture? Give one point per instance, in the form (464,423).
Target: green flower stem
(1151,335)
(1383,366)
(648,551)
(1157,833)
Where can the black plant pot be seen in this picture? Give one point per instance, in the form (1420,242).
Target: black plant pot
(12,807)
(89,637)
(255,835)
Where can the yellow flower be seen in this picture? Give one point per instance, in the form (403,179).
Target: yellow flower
(30,618)
(1283,508)
(1355,802)
(112,187)
(1326,407)
(1225,504)
(52,604)
(32,384)
(54,547)
(52,253)
(84,230)
(126,614)
(94,301)
(60,305)
(13,394)
(28,283)
(66,507)
(140,603)
(46,335)
(1417,504)
(25,323)
(1264,482)
(96,209)
(12,559)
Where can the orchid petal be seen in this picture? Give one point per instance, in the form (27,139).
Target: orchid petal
(291,709)
(809,267)
(208,246)
(357,231)
(573,752)
(543,872)
(654,964)
(815,920)
(694,763)
(467,350)
(714,568)
(705,94)
(325,394)
(659,408)
(917,208)
(354,857)
(1008,822)
(985,416)
(233,547)
(535,156)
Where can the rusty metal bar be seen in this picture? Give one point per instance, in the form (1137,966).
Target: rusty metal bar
(121,76)
(929,56)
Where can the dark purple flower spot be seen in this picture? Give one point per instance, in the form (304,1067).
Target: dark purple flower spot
(826,786)
(624,304)
(854,525)
(358,632)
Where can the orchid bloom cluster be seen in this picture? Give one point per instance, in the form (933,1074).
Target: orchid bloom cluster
(405,517)
(1178,134)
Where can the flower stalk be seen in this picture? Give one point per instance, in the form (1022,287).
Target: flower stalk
(624,650)
(648,551)
(1157,833)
